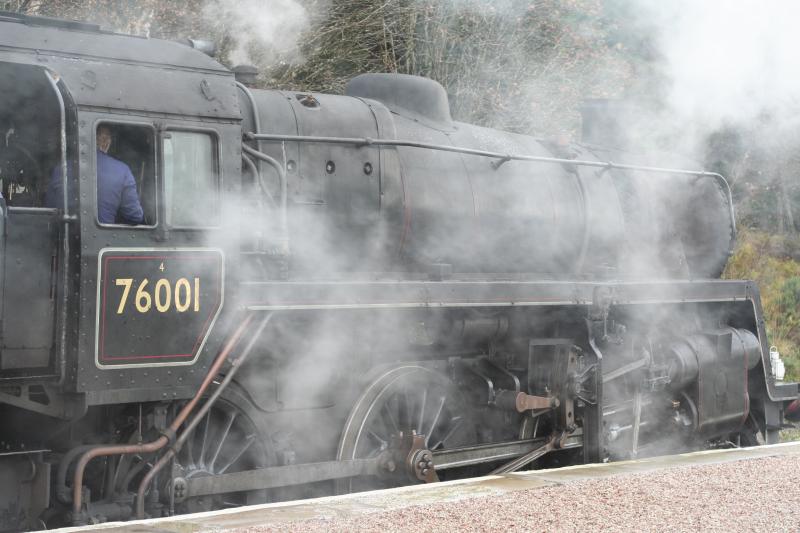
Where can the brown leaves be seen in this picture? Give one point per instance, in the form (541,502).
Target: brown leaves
(524,65)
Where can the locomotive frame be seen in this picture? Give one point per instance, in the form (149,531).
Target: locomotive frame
(516,358)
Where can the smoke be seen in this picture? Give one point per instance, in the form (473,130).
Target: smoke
(722,63)
(729,60)
(264,31)
(318,362)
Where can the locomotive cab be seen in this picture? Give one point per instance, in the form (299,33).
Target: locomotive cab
(30,149)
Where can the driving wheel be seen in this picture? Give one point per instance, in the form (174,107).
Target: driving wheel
(403,401)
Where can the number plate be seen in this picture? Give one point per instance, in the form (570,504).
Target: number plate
(156,307)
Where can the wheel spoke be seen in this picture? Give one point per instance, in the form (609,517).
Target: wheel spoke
(202,462)
(190,451)
(390,417)
(382,426)
(222,439)
(383,443)
(422,409)
(456,425)
(409,410)
(247,443)
(435,419)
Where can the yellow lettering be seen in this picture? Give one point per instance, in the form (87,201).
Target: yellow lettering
(163,287)
(182,302)
(143,299)
(184,295)
(123,282)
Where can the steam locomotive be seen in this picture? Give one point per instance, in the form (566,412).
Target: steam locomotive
(338,293)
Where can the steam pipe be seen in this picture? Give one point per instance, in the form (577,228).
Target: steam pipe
(62,490)
(66,219)
(257,173)
(281,173)
(367,141)
(153,446)
(187,432)
(284,193)
(256,117)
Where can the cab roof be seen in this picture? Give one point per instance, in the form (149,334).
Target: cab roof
(74,38)
(118,71)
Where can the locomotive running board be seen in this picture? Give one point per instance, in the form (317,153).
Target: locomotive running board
(317,295)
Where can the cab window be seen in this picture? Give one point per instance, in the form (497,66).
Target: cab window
(125,165)
(191,184)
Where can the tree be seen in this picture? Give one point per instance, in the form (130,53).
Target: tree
(519,65)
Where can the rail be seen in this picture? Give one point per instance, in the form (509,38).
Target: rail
(500,157)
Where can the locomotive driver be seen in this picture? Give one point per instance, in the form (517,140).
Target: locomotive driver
(117,199)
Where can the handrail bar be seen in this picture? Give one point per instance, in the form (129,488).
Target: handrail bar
(501,157)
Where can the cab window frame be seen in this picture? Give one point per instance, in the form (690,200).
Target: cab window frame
(156,174)
(216,161)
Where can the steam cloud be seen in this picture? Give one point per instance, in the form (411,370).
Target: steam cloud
(725,62)
(270,26)
(722,63)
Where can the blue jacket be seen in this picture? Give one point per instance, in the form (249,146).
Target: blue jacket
(117,199)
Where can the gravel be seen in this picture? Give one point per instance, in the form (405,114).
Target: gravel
(747,495)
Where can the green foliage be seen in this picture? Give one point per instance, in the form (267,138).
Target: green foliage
(789,299)
(762,258)
(790,435)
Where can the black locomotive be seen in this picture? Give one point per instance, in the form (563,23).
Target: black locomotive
(337,293)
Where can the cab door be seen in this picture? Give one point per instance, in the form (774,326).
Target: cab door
(29,292)
(34,127)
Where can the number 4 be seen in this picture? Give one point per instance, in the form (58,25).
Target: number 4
(161,267)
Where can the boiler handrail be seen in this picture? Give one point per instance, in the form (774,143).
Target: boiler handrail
(500,157)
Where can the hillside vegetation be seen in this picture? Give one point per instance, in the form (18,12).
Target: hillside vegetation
(767,259)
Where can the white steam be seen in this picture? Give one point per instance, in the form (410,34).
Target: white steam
(264,30)
(726,62)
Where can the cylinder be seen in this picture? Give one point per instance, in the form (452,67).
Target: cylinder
(745,343)
(682,363)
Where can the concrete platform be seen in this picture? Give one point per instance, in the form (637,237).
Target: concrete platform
(354,505)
